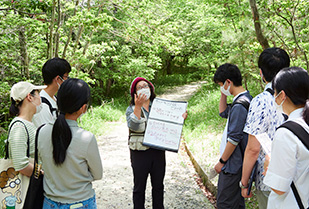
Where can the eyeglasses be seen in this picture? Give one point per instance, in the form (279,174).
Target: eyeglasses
(142,87)
(13,183)
(63,78)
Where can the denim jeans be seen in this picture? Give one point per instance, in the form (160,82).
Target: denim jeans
(90,203)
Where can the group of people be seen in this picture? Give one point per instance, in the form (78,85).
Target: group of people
(242,157)
(70,156)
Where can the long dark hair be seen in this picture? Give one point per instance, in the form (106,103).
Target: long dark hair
(152,94)
(72,95)
(294,81)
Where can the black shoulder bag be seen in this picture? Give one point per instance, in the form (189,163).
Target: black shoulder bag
(35,194)
(303,136)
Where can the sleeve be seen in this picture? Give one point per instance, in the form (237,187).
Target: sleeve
(237,120)
(225,113)
(133,122)
(283,162)
(94,159)
(255,122)
(18,146)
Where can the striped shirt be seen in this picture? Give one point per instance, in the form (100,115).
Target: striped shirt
(18,143)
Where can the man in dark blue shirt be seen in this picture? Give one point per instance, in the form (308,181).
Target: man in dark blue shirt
(234,140)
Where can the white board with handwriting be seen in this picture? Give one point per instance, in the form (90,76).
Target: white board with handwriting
(164,125)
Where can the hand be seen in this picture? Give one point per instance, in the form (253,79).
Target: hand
(244,193)
(218,167)
(140,99)
(266,163)
(185,115)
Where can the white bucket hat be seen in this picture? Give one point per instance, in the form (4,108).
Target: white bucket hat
(20,90)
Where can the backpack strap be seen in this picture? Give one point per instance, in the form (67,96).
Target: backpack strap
(303,136)
(272,92)
(243,102)
(7,141)
(44,100)
(298,130)
(36,144)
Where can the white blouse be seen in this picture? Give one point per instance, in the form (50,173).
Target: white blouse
(289,162)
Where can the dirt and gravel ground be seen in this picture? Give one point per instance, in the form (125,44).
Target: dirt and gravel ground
(115,189)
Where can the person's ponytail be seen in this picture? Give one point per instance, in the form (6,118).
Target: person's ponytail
(61,139)
(14,108)
(72,95)
(306,112)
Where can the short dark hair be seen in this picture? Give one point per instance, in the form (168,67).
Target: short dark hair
(228,71)
(294,81)
(54,67)
(271,61)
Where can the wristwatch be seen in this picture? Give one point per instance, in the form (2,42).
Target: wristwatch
(222,161)
(242,186)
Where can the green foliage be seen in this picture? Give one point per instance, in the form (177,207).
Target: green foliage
(110,43)
(97,118)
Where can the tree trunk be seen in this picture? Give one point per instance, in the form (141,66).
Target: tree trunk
(258,30)
(70,33)
(57,31)
(51,35)
(23,52)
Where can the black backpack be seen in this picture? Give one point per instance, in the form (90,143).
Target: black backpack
(303,136)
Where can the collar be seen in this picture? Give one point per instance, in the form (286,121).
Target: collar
(268,86)
(296,113)
(241,93)
(72,123)
(46,95)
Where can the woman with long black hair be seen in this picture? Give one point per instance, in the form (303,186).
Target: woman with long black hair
(289,157)
(69,154)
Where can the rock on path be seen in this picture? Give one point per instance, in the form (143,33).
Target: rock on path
(115,189)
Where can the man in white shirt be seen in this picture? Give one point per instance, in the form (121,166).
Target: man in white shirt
(55,71)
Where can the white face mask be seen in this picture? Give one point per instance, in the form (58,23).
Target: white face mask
(38,107)
(227,91)
(279,108)
(145,91)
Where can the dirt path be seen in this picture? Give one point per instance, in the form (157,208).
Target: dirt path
(115,189)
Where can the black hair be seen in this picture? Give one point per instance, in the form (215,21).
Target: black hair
(15,106)
(228,71)
(272,60)
(72,95)
(152,93)
(294,81)
(54,67)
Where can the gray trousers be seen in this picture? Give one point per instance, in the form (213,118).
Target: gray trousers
(229,192)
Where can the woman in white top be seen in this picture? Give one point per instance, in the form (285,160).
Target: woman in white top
(289,157)
(70,155)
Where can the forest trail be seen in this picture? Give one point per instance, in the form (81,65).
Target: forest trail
(115,189)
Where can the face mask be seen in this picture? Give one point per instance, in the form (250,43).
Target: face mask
(279,107)
(81,115)
(225,92)
(145,91)
(38,107)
